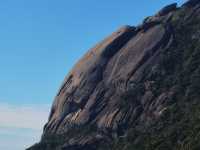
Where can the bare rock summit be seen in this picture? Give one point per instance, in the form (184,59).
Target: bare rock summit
(138,89)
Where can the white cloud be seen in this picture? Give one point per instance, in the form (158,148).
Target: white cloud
(31,116)
(18,139)
(21,126)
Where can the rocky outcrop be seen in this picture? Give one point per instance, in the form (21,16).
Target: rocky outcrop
(74,100)
(128,81)
(167,9)
(91,90)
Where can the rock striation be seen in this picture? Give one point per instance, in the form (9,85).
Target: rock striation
(124,86)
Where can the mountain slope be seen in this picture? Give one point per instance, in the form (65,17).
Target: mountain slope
(137,89)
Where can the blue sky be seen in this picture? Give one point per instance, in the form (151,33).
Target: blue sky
(40,41)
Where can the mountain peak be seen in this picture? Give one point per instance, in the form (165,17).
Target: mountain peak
(135,89)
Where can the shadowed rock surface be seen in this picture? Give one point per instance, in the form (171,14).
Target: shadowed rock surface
(137,89)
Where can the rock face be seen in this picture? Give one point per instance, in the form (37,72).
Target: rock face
(91,90)
(134,90)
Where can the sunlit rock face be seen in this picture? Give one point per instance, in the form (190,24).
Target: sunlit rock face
(91,92)
(128,86)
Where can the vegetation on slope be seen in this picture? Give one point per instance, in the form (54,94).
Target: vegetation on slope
(178,127)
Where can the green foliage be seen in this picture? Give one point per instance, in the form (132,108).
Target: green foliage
(130,98)
(50,142)
(56,141)
(179,126)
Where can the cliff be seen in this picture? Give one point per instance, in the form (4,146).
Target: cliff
(137,89)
